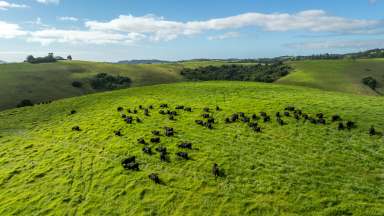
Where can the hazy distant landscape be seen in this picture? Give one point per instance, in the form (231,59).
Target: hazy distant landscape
(191,108)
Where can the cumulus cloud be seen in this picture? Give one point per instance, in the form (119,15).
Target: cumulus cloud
(68,18)
(48,1)
(6,5)
(9,30)
(339,44)
(224,36)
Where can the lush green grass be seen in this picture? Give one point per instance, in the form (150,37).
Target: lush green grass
(337,75)
(296,169)
(45,82)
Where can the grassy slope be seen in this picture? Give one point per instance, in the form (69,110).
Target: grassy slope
(337,75)
(297,169)
(44,82)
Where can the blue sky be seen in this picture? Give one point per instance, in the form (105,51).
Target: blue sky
(175,29)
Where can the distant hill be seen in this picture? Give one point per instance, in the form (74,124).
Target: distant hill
(2,62)
(151,61)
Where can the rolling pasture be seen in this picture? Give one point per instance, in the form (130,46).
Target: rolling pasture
(337,75)
(299,168)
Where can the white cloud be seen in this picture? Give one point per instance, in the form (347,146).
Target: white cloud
(48,1)
(339,44)
(9,30)
(311,21)
(49,36)
(68,18)
(224,36)
(6,5)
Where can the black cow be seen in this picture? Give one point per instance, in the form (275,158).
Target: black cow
(73,112)
(163,156)
(278,115)
(163,105)
(350,125)
(169,131)
(372,131)
(129,160)
(138,120)
(257,129)
(297,116)
(341,126)
(218,108)
(280,121)
(205,115)
(130,164)
(183,155)
(211,120)
(135,111)
(156,133)
(129,120)
(180,107)
(209,126)
(161,149)
(141,141)
(162,112)
(287,114)
(263,114)
(76,128)
(118,133)
(215,170)
(119,109)
(234,117)
(154,177)
(320,115)
(199,122)
(188,109)
(146,112)
(206,109)
(129,110)
(241,114)
(155,140)
(312,120)
(321,121)
(140,106)
(123,116)
(185,145)
(336,118)
(227,120)
(305,116)
(172,118)
(290,108)
(253,124)
(147,150)
(150,106)
(267,119)
(298,112)
(255,117)
(245,120)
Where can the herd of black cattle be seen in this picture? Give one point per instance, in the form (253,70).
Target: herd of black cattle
(208,121)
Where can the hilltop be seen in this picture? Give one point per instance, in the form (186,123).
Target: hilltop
(300,168)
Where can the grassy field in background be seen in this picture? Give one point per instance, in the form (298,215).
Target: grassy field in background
(337,75)
(296,169)
(45,82)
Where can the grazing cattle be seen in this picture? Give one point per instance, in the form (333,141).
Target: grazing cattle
(312,120)
(156,133)
(162,112)
(140,106)
(234,117)
(245,119)
(372,131)
(215,170)
(211,120)
(161,149)
(278,115)
(172,118)
(169,131)
(305,116)
(150,106)
(185,145)
(154,177)
(280,121)
(341,126)
(123,116)
(205,115)
(287,114)
(253,124)
(129,110)
(163,156)
(218,108)
(180,107)
(141,141)
(135,111)
(241,114)
(321,121)
(172,113)
(290,108)
(257,129)
(163,105)
(118,133)
(199,122)
(188,109)
(298,112)
(263,114)
(336,118)
(320,115)
(147,150)
(138,120)
(129,120)
(350,125)
(183,155)
(73,112)
(267,119)
(206,109)
(130,163)
(227,120)
(146,112)
(76,128)
(119,109)
(255,117)
(297,116)
(155,140)
(209,126)
(129,160)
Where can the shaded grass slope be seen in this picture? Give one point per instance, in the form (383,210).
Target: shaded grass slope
(296,169)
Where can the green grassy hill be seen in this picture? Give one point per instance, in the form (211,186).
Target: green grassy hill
(296,169)
(45,82)
(337,75)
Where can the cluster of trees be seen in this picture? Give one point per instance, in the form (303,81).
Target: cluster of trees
(103,81)
(257,72)
(370,82)
(47,59)
(24,103)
